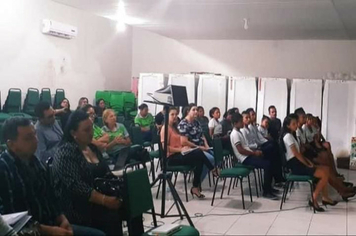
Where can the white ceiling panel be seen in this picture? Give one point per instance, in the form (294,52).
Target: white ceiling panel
(224,19)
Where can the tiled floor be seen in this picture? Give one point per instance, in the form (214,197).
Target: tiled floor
(262,217)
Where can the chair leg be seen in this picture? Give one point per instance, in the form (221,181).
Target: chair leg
(291,186)
(242,194)
(249,187)
(222,191)
(228,192)
(235,184)
(261,179)
(254,174)
(176,177)
(190,173)
(185,186)
(285,190)
(159,187)
(311,192)
(209,179)
(153,170)
(216,184)
(158,164)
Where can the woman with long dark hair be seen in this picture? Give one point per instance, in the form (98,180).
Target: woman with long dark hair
(300,165)
(180,154)
(76,165)
(63,112)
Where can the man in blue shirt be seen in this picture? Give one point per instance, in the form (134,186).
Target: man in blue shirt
(49,132)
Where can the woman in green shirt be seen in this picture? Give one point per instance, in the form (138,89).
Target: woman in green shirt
(119,138)
(144,120)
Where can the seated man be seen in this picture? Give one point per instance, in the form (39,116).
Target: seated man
(256,141)
(49,132)
(249,157)
(24,182)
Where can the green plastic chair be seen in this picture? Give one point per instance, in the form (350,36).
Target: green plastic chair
(137,137)
(139,200)
(13,101)
(3,117)
(291,179)
(31,100)
(117,102)
(58,97)
(231,173)
(46,95)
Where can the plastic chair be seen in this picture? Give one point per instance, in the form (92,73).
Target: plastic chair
(139,200)
(232,173)
(291,179)
(31,100)
(58,97)
(137,137)
(46,95)
(13,101)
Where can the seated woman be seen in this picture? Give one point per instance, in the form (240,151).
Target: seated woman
(63,112)
(215,128)
(118,136)
(144,120)
(100,138)
(301,165)
(192,134)
(76,165)
(195,158)
(100,107)
(201,118)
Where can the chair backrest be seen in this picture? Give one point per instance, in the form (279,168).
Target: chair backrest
(138,193)
(13,101)
(46,95)
(218,150)
(58,97)
(117,102)
(31,100)
(99,121)
(136,135)
(208,138)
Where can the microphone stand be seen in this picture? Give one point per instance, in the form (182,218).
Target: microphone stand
(166,178)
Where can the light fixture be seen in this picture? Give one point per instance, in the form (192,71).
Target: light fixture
(121,16)
(245,23)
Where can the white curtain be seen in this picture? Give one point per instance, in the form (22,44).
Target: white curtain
(306,93)
(339,115)
(242,93)
(272,92)
(149,83)
(212,92)
(187,80)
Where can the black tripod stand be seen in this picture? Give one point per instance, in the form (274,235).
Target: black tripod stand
(166,178)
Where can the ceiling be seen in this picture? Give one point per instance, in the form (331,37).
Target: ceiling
(224,19)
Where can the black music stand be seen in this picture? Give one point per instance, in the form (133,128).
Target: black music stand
(179,98)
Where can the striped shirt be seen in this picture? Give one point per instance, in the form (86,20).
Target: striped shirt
(25,186)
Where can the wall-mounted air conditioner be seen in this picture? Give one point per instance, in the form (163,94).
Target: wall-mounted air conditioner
(58,29)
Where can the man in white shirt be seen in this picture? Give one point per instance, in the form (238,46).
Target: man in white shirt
(249,157)
(270,149)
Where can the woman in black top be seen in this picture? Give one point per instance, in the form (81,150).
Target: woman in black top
(76,165)
(100,107)
(63,112)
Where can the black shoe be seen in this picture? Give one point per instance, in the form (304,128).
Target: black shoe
(275,191)
(333,203)
(347,196)
(280,185)
(318,208)
(271,196)
(348,184)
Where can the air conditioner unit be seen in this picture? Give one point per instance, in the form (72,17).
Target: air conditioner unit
(58,29)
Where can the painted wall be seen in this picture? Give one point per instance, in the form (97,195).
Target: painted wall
(99,58)
(274,59)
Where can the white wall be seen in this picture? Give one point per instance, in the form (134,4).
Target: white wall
(310,59)
(99,58)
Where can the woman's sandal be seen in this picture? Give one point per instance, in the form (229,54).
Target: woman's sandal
(200,196)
